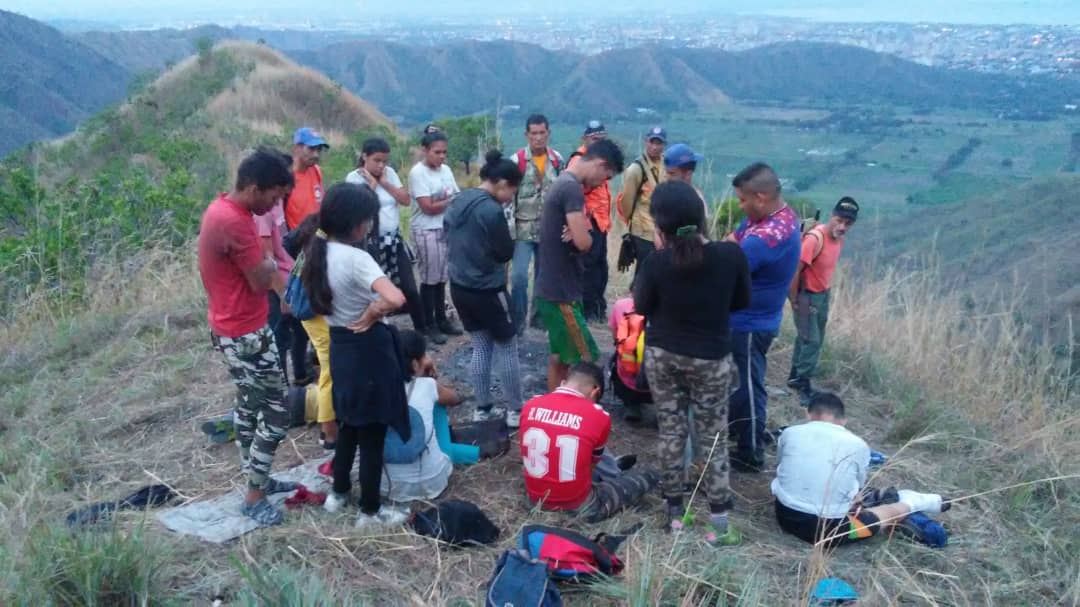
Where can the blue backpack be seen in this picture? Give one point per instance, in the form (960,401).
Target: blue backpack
(520,581)
(296,295)
(397,451)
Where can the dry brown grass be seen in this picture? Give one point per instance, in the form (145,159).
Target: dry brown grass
(101,402)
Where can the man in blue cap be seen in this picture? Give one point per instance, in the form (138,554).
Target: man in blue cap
(306,197)
(680,162)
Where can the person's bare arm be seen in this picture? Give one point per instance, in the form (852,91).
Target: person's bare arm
(398,193)
(578,226)
(430,207)
(448,397)
(277,282)
(632,179)
(793,290)
(390,298)
(261,276)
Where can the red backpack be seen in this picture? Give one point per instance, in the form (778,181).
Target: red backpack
(629,343)
(553,158)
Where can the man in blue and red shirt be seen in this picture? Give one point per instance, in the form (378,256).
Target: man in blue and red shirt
(562,440)
(770,238)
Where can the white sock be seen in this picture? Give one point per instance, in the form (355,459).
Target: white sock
(921,502)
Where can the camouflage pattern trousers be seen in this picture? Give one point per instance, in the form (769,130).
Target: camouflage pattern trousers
(260,418)
(613,490)
(681,384)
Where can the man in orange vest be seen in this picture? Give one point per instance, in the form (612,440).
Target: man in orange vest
(306,196)
(809,293)
(598,212)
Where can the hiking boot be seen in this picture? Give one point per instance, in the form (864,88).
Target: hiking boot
(263,513)
(335,501)
(625,462)
(920,528)
(329,445)
(513,419)
(272,486)
(748,462)
(435,336)
(491,413)
(386,516)
(450,327)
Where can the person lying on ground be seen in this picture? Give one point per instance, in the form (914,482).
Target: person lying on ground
(428,476)
(821,472)
(563,437)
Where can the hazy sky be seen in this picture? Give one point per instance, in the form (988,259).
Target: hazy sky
(238,11)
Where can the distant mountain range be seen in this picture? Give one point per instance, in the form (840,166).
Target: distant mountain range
(52,81)
(49,83)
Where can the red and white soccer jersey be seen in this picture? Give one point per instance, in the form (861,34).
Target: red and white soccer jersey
(562,436)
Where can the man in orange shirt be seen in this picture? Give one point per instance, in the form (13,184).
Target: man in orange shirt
(598,211)
(307,194)
(809,293)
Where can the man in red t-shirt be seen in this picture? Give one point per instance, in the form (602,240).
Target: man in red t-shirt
(307,193)
(809,292)
(562,439)
(237,274)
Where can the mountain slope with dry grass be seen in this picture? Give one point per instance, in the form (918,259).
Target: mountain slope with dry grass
(101,402)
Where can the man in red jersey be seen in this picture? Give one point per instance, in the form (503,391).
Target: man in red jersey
(562,438)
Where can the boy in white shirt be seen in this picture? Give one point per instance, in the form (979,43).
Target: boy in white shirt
(821,471)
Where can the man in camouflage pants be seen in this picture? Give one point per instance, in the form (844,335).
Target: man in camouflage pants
(681,384)
(237,274)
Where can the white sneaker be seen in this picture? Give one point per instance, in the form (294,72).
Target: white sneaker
(335,502)
(513,419)
(386,516)
(479,415)
(921,502)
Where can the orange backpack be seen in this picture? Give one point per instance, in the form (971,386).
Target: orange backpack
(629,343)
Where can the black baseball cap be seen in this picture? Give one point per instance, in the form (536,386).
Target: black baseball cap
(847,208)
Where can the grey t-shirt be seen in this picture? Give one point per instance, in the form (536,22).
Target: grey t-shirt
(561,266)
(351,272)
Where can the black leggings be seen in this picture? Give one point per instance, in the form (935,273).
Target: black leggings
(370,440)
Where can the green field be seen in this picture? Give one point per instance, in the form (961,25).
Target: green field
(885,158)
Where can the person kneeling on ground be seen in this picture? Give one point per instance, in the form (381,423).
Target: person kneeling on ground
(427,477)
(821,471)
(562,447)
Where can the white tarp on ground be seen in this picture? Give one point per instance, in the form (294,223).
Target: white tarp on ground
(219,520)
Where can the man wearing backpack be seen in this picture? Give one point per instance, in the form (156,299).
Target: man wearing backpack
(809,292)
(540,165)
(598,212)
(639,181)
(563,436)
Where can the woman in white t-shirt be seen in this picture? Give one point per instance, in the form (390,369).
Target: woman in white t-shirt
(431,186)
(373,170)
(348,288)
(426,478)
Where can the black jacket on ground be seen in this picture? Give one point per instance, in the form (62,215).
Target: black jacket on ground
(479,240)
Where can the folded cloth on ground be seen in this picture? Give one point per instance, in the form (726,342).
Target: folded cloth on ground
(219,520)
(303,496)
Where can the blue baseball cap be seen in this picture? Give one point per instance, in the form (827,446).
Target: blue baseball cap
(658,133)
(680,155)
(309,137)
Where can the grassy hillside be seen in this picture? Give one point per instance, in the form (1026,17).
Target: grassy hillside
(142,173)
(49,83)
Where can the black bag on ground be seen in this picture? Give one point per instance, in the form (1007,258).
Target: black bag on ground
(519,581)
(456,522)
(492,436)
(147,497)
(627,253)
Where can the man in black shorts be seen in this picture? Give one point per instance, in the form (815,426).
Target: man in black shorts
(820,479)
(480,246)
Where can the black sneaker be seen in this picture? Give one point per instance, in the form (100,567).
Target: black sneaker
(625,462)
(435,336)
(450,327)
(747,462)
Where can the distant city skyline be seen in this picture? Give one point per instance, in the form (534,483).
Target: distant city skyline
(134,13)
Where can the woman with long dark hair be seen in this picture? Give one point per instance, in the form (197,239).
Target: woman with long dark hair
(347,287)
(686,290)
(374,170)
(480,247)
